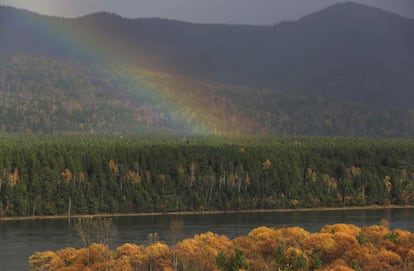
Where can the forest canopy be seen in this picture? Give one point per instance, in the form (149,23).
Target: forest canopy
(89,175)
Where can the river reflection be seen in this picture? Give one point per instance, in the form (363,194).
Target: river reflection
(20,239)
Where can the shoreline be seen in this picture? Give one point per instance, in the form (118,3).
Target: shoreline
(350,208)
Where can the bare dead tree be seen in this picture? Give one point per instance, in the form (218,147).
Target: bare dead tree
(98,230)
(175,234)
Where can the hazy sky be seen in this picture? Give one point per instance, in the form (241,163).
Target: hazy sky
(206,11)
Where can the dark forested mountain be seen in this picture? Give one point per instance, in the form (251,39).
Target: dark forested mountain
(346,70)
(345,51)
(46,95)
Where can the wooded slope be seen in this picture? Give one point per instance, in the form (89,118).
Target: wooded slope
(44,95)
(43,176)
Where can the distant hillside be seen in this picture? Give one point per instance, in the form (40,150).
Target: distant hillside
(347,51)
(47,95)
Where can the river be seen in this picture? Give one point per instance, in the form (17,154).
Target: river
(20,239)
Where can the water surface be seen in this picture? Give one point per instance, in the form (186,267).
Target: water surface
(20,239)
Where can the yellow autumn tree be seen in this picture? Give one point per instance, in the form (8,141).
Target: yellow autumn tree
(323,244)
(204,248)
(158,256)
(99,253)
(113,167)
(250,248)
(14,177)
(291,236)
(122,264)
(375,233)
(70,256)
(388,184)
(345,228)
(132,254)
(389,258)
(134,177)
(265,239)
(266,164)
(67,175)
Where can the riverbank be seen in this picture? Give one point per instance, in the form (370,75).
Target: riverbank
(45,217)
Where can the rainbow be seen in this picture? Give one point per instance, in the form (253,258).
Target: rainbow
(185,107)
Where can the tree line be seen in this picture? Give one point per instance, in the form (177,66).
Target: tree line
(89,175)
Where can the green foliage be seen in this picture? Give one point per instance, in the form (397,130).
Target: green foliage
(362,238)
(299,263)
(280,256)
(86,174)
(392,236)
(316,262)
(221,261)
(235,262)
(296,262)
(238,261)
(355,266)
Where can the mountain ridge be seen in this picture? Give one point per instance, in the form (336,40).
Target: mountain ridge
(342,60)
(347,4)
(349,9)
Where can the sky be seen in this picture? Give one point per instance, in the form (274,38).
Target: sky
(202,11)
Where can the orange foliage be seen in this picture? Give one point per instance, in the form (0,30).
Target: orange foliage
(47,260)
(388,184)
(82,257)
(343,243)
(134,177)
(266,164)
(265,239)
(410,255)
(159,256)
(345,228)
(338,248)
(14,177)
(68,255)
(122,264)
(375,233)
(338,265)
(133,254)
(203,247)
(355,171)
(293,236)
(113,167)
(268,240)
(250,249)
(128,250)
(389,257)
(339,268)
(66,175)
(323,244)
(102,266)
(99,253)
